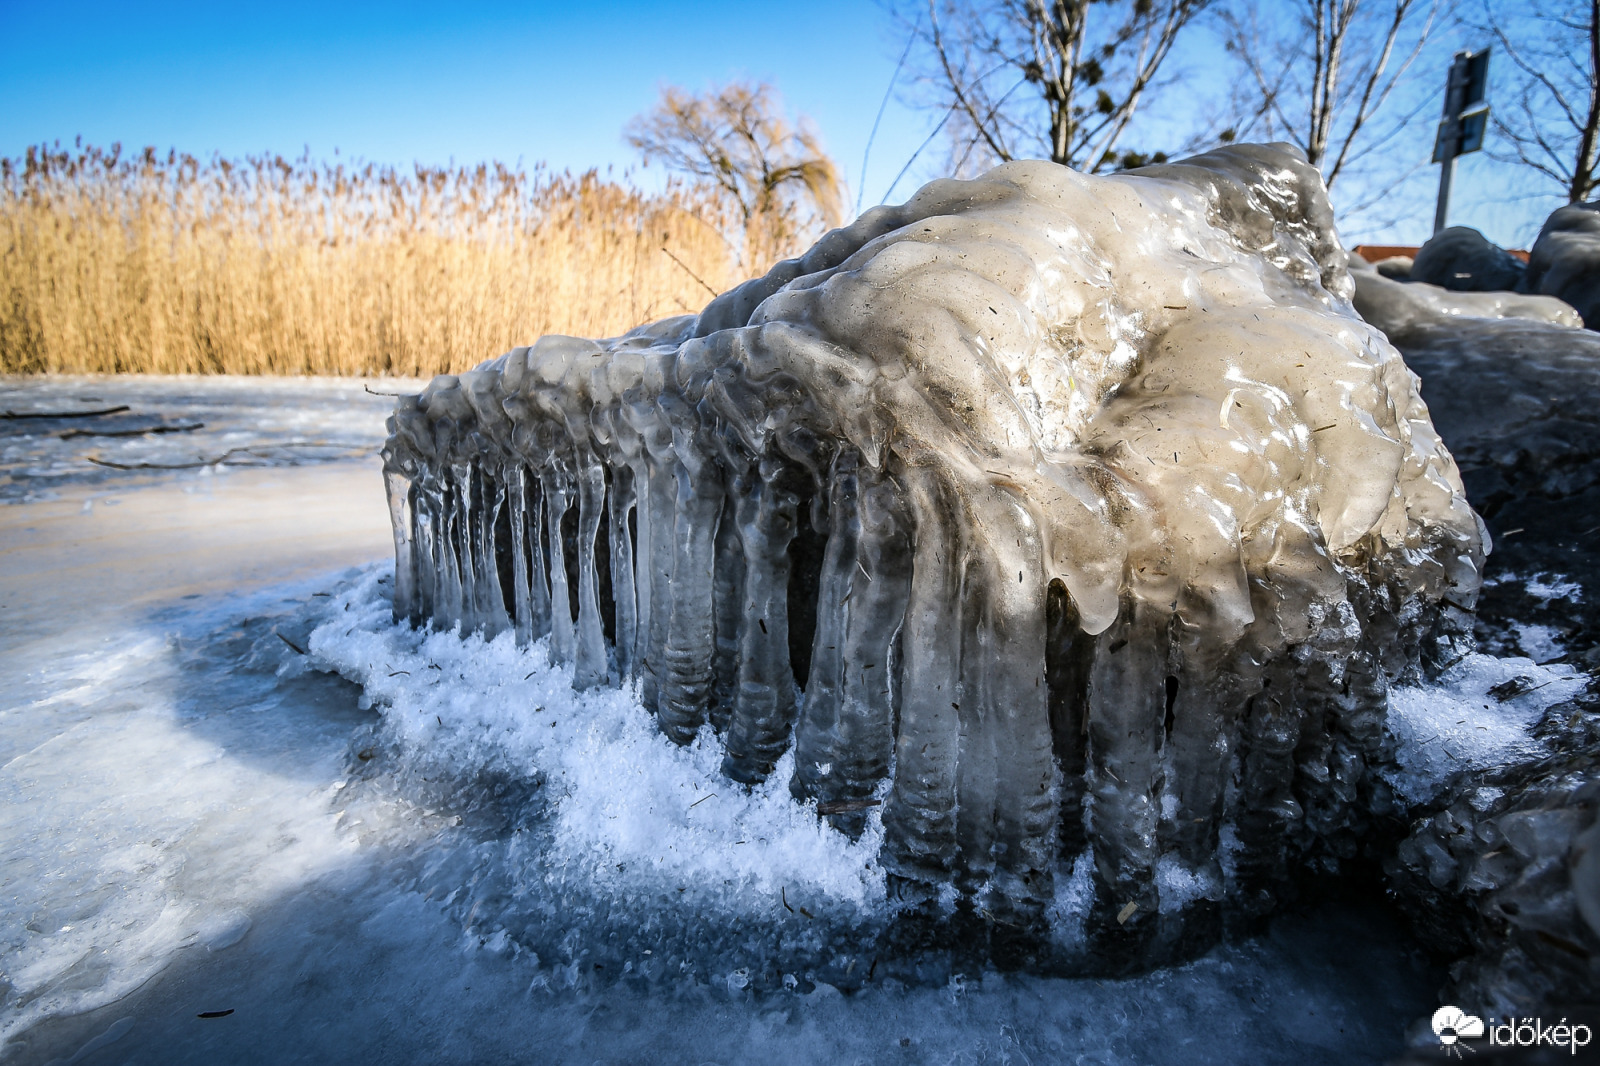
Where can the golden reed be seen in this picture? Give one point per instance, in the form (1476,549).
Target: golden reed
(273,266)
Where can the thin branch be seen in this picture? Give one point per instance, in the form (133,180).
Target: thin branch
(668,253)
(65,414)
(76,433)
(956,87)
(887,92)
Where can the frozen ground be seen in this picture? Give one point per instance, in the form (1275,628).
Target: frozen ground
(479,866)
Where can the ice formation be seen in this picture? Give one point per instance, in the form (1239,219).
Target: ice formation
(1043,512)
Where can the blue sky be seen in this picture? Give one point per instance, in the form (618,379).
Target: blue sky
(537,81)
(406,82)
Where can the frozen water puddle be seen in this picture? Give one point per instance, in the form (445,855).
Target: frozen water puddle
(490,864)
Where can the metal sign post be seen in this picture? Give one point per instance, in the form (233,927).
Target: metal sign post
(1466,119)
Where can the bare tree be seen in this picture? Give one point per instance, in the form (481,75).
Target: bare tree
(1058,79)
(1552,124)
(773,173)
(1321,73)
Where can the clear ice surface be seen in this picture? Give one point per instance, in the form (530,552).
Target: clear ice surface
(794,519)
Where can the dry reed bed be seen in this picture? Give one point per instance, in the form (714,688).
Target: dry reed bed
(272,266)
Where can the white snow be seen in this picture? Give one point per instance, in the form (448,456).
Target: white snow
(626,802)
(1541,643)
(1458,724)
(1554,587)
(1180,885)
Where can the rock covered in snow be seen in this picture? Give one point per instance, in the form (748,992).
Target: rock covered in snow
(1563,265)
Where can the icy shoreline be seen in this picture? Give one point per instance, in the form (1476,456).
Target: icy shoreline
(338,916)
(168,767)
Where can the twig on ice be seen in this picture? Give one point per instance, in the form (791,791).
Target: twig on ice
(65,414)
(73,434)
(220,460)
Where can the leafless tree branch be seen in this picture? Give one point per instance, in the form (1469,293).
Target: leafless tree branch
(1091,65)
(1554,126)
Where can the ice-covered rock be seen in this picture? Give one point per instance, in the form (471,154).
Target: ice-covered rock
(1506,876)
(1463,260)
(1397,267)
(794,519)
(1563,265)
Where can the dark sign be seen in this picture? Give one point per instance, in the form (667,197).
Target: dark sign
(1473,127)
(1477,81)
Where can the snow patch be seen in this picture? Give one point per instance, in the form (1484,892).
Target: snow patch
(1554,587)
(1478,715)
(1180,886)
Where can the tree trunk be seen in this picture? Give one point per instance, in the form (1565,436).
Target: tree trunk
(1583,166)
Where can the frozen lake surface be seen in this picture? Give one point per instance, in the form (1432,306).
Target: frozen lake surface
(197,818)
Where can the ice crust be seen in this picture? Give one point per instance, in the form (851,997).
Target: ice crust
(174,424)
(178,839)
(796,518)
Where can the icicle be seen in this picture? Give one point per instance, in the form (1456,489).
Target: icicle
(1202,724)
(1127,707)
(491,594)
(879,586)
(521,591)
(729,606)
(622,568)
(539,615)
(1267,809)
(1069,656)
(655,600)
(450,604)
(920,846)
(691,625)
(819,742)
(591,668)
(1006,689)
(402,522)
(430,530)
(466,537)
(763,709)
(558,501)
